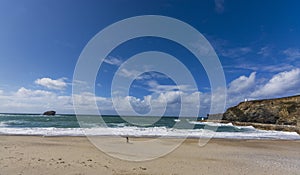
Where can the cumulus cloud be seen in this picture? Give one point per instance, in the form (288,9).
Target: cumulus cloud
(124,104)
(34,101)
(23,92)
(242,84)
(161,97)
(86,101)
(49,83)
(250,87)
(37,101)
(280,84)
(156,104)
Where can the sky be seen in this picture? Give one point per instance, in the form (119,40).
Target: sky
(257,43)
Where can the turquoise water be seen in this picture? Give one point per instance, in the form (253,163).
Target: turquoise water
(70,121)
(33,124)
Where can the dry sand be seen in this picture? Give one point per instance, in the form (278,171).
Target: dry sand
(76,155)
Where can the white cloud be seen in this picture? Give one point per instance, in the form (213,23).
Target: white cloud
(49,83)
(242,84)
(128,73)
(276,68)
(23,92)
(32,101)
(28,100)
(292,53)
(151,75)
(268,68)
(154,103)
(145,75)
(113,61)
(235,52)
(171,97)
(157,88)
(283,83)
(124,104)
(37,101)
(219,6)
(85,103)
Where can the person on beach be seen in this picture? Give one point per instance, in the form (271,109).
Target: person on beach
(127,139)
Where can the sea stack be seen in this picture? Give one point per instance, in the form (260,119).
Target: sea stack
(49,113)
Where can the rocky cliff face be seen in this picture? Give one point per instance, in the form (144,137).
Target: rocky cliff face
(281,111)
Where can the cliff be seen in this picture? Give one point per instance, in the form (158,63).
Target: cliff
(279,111)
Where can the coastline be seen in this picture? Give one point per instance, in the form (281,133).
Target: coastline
(76,155)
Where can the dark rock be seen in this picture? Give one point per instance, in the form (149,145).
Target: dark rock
(49,113)
(280,111)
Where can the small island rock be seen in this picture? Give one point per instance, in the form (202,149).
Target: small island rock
(49,113)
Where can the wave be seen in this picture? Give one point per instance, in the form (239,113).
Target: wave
(150,132)
(221,124)
(3,124)
(176,120)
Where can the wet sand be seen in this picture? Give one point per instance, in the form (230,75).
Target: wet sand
(76,155)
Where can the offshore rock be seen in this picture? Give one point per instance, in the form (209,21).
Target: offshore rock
(49,113)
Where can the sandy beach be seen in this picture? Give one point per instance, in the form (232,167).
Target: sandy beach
(76,155)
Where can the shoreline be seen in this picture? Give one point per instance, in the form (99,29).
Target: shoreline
(149,137)
(156,137)
(76,155)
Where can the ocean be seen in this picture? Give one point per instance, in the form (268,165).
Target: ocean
(68,125)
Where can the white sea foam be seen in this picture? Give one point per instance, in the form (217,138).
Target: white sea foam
(210,123)
(219,124)
(43,131)
(150,132)
(3,124)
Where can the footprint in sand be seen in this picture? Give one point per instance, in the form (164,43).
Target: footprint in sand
(142,168)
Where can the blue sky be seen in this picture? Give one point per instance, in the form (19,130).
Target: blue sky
(258,44)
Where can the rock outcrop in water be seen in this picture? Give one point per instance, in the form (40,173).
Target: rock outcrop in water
(49,113)
(279,112)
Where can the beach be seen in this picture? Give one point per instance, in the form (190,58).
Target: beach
(76,155)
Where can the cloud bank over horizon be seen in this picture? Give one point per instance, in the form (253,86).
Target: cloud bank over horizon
(26,100)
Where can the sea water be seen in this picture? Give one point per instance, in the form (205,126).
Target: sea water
(135,126)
